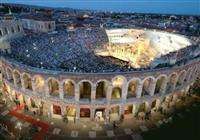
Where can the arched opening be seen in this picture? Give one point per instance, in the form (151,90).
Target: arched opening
(39,84)
(116,93)
(84,112)
(181,79)
(188,75)
(70,112)
(85,90)
(12,30)
(194,74)
(128,110)
(18,29)
(5,31)
(114,113)
(132,87)
(56,110)
(53,87)
(155,104)
(143,107)
(147,86)
(49,26)
(160,85)
(101,89)
(171,83)
(68,89)
(17,79)
(32,103)
(27,82)
(100,114)
(9,75)
(117,84)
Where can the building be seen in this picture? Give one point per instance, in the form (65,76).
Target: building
(40,83)
(38,23)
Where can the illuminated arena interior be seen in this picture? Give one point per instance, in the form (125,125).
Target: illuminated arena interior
(100,50)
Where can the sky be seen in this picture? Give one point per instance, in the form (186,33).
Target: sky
(191,7)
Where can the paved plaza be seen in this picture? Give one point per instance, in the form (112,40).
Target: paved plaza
(51,129)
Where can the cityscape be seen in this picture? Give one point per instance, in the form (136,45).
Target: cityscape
(70,74)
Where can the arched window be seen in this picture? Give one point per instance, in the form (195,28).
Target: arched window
(181,79)
(160,83)
(68,89)
(17,78)
(147,86)
(85,90)
(39,84)
(101,89)
(53,87)
(171,82)
(117,84)
(27,82)
(132,87)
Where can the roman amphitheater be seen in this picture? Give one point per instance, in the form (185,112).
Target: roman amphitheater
(93,72)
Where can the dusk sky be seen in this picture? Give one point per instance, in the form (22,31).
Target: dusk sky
(152,6)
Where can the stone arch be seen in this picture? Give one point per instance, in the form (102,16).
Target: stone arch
(132,87)
(188,75)
(117,85)
(17,78)
(172,79)
(101,89)
(143,107)
(27,82)
(68,88)
(181,78)
(6,31)
(18,28)
(85,88)
(53,86)
(39,83)
(155,104)
(148,86)
(12,30)
(161,82)
(194,73)
(9,74)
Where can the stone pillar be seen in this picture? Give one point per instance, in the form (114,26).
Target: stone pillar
(152,88)
(134,109)
(77,98)
(77,113)
(124,92)
(77,93)
(109,94)
(107,114)
(22,82)
(92,113)
(108,102)
(46,89)
(93,95)
(124,96)
(33,86)
(174,85)
(163,87)
(63,109)
(61,92)
(139,89)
